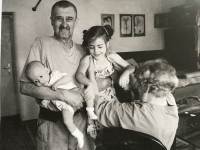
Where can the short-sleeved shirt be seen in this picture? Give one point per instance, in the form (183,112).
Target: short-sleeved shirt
(158,121)
(55,56)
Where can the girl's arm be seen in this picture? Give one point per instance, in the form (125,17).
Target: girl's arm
(81,77)
(81,71)
(127,69)
(121,62)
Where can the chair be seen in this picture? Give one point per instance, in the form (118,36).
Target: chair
(122,139)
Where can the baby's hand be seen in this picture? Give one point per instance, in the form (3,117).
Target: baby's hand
(89,92)
(124,79)
(54,87)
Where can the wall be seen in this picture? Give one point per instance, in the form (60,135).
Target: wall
(29,25)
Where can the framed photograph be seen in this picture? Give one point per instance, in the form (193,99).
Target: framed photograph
(108,19)
(125,25)
(139,25)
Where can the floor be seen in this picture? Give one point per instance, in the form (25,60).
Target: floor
(17,135)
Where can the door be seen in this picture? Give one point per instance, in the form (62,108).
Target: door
(8,93)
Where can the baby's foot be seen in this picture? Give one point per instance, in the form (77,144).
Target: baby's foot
(80,140)
(79,136)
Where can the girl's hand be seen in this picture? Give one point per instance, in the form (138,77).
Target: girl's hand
(89,92)
(54,87)
(124,79)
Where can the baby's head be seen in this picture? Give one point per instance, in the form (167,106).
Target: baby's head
(37,73)
(95,34)
(159,75)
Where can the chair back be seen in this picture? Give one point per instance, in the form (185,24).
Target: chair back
(122,139)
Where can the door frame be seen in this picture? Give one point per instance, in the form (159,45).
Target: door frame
(13,54)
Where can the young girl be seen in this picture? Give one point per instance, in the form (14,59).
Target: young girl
(96,40)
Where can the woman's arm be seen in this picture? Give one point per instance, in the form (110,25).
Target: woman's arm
(73,98)
(114,113)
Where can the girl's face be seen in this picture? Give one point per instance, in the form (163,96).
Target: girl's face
(98,48)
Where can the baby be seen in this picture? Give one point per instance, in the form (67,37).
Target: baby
(40,75)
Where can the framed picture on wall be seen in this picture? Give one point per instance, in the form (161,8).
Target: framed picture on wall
(125,25)
(108,19)
(139,25)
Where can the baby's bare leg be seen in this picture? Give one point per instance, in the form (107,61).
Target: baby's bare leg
(68,121)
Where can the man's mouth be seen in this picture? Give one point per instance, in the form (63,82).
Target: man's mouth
(64,28)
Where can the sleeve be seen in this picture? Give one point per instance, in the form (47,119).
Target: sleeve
(36,53)
(58,75)
(114,113)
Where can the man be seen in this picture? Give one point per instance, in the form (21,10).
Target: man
(156,114)
(60,53)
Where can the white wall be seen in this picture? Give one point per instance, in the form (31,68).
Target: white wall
(29,25)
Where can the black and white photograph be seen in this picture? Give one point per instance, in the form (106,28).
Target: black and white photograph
(125,25)
(108,19)
(100,75)
(139,25)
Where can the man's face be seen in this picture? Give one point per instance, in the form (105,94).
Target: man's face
(63,22)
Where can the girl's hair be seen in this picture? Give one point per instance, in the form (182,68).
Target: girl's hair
(95,32)
(160,75)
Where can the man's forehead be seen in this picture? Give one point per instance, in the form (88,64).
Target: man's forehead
(69,11)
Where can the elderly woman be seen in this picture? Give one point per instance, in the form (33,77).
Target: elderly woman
(155,113)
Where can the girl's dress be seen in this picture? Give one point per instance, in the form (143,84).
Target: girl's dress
(104,72)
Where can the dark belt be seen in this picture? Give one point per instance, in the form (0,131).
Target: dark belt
(52,115)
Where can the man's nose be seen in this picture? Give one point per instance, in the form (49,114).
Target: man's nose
(64,23)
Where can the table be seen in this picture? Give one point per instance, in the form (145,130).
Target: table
(189,128)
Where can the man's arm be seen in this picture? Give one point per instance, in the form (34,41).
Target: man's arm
(71,97)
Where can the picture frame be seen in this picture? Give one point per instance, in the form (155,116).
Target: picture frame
(125,25)
(108,19)
(139,25)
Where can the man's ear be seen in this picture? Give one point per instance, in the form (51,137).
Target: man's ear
(51,18)
(76,21)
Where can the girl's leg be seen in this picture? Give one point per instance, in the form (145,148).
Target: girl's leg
(90,109)
(68,121)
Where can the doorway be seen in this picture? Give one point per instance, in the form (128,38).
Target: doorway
(8,71)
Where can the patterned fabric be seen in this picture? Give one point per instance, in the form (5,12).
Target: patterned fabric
(104,72)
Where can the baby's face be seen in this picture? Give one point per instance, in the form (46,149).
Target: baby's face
(40,76)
